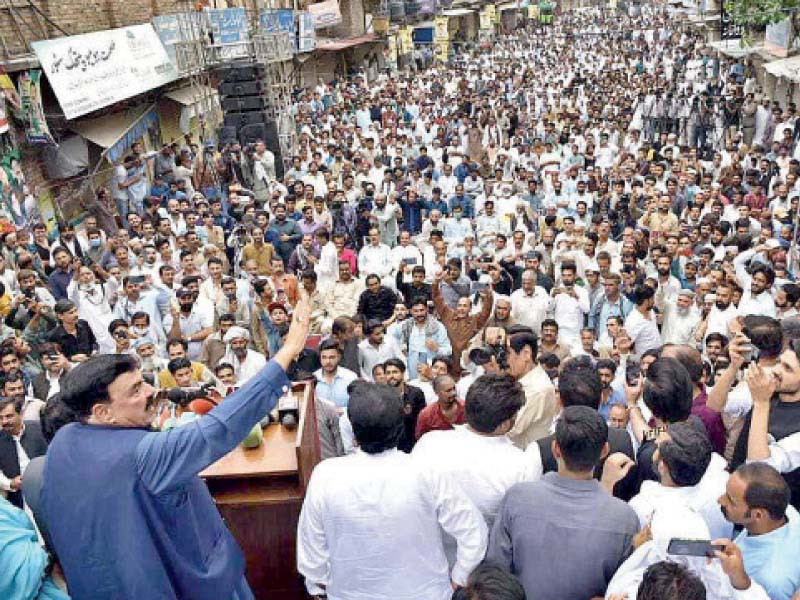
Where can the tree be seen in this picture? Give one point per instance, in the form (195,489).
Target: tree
(755,15)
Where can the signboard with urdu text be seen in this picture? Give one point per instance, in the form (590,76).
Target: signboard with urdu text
(97,69)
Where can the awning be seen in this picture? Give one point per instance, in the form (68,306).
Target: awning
(508,6)
(117,132)
(457,12)
(190,95)
(342,43)
(704,18)
(788,68)
(734,48)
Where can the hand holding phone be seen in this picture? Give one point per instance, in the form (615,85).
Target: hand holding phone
(700,548)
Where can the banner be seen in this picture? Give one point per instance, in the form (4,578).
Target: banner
(30,94)
(442,27)
(306,34)
(325,14)
(229,29)
(391,49)
(442,50)
(168,29)
(406,40)
(778,37)
(228,25)
(485,18)
(426,7)
(97,69)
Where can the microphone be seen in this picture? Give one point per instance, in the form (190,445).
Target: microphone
(184,396)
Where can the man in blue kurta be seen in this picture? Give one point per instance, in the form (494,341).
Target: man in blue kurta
(127,513)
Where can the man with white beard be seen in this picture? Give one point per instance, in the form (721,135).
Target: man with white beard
(680,316)
(245,362)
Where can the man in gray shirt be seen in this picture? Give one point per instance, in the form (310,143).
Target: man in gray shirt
(564,536)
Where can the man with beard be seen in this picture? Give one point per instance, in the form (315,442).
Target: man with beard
(461,325)
(287,233)
(786,300)
(20,441)
(377,301)
(246,363)
(775,415)
(189,322)
(376,348)
(259,251)
(756,297)
(422,336)
(680,317)
(14,386)
(719,316)
(110,473)
(757,498)
(333,379)
(502,313)
(413,401)
(668,284)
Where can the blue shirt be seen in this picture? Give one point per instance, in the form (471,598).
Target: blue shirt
(617,397)
(418,351)
(141,489)
(335,392)
(465,202)
(771,558)
(439,205)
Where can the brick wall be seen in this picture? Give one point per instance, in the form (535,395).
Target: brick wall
(80,16)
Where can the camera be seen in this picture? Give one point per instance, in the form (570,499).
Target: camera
(483,355)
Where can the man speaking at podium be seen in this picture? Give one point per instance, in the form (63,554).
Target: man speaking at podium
(127,513)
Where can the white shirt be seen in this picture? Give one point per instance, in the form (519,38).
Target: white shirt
(701,498)
(530,310)
(643,332)
(245,369)
(679,328)
(718,320)
(375,259)
(371,355)
(784,455)
(568,313)
(327,268)
(483,467)
(369,530)
(22,459)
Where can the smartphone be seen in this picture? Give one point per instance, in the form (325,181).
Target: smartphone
(701,548)
(632,371)
(478,286)
(410,261)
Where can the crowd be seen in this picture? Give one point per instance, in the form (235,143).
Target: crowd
(548,297)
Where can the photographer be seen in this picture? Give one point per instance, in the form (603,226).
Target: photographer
(31,309)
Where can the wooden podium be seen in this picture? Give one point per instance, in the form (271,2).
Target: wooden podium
(259,493)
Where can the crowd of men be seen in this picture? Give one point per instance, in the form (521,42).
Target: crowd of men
(554,317)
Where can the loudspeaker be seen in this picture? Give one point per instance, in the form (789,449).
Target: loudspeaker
(240,119)
(242,103)
(237,72)
(249,134)
(226,135)
(240,88)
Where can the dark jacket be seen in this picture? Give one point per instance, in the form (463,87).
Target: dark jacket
(618,441)
(410,293)
(83,342)
(34,444)
(377,306)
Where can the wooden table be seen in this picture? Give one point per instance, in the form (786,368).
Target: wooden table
(259,493)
